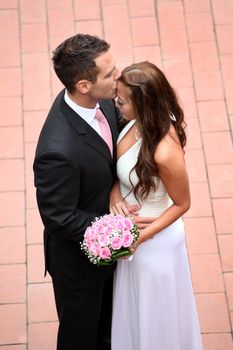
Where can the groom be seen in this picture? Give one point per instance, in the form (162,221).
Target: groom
(74,172)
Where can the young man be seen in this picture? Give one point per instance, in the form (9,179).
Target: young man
(74,172)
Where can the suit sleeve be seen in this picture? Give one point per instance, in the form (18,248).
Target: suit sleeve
(57,181)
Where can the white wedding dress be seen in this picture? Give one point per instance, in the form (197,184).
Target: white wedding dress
(153,301)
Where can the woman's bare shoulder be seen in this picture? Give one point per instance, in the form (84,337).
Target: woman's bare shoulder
(169,148)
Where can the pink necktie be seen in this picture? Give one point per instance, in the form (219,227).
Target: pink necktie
(105,129)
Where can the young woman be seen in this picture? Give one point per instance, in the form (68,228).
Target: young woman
(154,306)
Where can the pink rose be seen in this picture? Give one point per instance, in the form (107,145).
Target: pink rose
(127,240)
(99,228)
(128,223)
(120,226)
(116,242)
(105,253)
(90,232)
(108,229)
(103,240)
(87,232)
(95,249)
(88,243)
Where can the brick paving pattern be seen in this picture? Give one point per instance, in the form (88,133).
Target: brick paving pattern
(192,41)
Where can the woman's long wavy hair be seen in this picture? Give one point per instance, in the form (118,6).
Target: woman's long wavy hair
(155,102)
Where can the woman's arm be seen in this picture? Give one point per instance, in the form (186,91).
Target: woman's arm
(172,172)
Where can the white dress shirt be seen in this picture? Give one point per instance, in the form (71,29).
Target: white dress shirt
(88,114)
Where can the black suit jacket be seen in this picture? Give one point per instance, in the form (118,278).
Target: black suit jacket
(74,173)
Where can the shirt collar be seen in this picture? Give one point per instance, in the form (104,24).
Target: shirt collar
(88,114)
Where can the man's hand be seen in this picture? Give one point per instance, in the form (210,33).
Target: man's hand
(124,208)
(118,205)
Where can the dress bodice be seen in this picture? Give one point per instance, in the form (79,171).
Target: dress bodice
(158,201)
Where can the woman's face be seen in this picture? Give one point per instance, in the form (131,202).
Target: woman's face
(124,103)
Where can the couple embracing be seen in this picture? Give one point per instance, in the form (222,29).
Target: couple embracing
(85,167)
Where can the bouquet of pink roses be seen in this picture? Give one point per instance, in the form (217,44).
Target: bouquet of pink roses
(109,238)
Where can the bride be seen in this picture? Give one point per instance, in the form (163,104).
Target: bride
(153,306)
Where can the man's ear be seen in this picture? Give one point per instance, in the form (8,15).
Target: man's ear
(83,86)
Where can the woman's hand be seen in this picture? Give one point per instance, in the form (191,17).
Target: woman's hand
(143,222)
(133,247)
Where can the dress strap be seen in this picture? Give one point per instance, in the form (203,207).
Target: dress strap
(126,129)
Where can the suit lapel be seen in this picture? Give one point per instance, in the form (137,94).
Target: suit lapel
(96,142)
(92,138)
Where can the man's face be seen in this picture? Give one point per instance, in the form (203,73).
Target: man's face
(105,86)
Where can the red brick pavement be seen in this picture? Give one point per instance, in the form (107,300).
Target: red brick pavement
(192,41)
